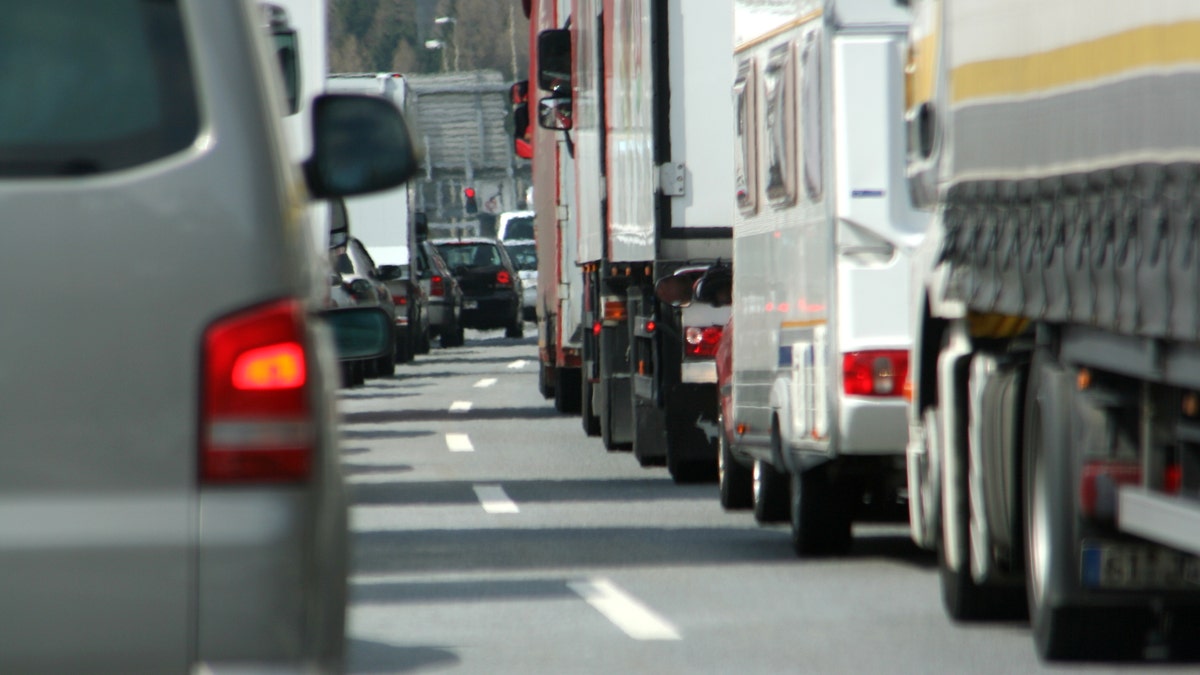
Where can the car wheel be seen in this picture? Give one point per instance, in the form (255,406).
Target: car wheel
(820,519)
(734,480)
(452,335)
(516,329)
(769,490)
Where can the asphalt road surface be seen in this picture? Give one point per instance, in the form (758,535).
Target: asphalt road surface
(490,535)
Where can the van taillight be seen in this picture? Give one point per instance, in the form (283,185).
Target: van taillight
(701,342)
(874,373)
(437,287)
(255,421)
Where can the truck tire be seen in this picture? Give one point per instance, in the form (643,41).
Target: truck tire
(769,493)
(567,391)
(1065,625)
(963,598)
(591,423)
(734,480)
(403,350)
(545,386)
(819,515)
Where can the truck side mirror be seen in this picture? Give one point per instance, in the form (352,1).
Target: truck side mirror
(555,113)
(554,60)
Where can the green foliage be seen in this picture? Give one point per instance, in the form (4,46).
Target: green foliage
(390,35)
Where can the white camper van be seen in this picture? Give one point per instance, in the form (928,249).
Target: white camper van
(822,238)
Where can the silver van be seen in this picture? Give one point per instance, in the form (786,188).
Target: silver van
(170,492)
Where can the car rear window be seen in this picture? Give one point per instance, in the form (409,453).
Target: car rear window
(92,86)
(524,256)
(520,227)
(470,255)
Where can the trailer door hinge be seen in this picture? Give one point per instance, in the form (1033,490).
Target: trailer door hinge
(672,179)
(564,212)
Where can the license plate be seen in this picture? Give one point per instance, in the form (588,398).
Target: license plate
(470,304)
(1138,566)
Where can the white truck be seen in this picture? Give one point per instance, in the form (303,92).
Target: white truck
(1055,420)
(385,222)
(824,233)
(640,94)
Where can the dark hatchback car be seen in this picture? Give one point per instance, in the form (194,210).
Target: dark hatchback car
(491,284)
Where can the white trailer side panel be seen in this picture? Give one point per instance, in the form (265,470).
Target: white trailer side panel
(587,134)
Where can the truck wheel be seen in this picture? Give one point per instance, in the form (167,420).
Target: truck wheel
(591,423)
(769,490)
(422,343)
(403,350)
(385,366)
(820,518)
(734,480)
(964,598)
(545,387)
(516,329)
(567,391)
(1064,626)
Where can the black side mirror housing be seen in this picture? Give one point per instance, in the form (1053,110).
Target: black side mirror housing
(554,60)
(361,144)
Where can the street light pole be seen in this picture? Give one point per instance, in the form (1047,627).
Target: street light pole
(449,20)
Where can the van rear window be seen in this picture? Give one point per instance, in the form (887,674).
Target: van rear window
(92,86)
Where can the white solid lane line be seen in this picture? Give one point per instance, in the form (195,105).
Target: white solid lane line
(485,383)
(460,406)
(459,443)
(494,499)
(519,363)
(627,612)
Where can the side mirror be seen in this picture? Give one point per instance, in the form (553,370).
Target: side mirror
(715,287)
(676,290)
(360,332)
(420,225)
(555,113)
(361,144)
(554,60)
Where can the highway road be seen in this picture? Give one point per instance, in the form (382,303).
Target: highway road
(490,535)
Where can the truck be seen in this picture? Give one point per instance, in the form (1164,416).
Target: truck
(649,197)
(1055,415)
(558,308)
(824,235)
(387,222)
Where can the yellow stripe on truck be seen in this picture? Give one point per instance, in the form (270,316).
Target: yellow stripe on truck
(1154,46)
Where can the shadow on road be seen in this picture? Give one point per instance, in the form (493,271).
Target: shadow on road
(370,657)
(529,492)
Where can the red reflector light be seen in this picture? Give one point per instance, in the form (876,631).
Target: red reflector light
(503,278)
(615,310)
(256,424)
(1173,479)
(875,373)
(596,328)
(650,326)
(701,342)
(400,300)
(437,287)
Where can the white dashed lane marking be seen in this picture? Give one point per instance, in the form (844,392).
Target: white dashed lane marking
(485,383)
(459,443)
(625,611)
(460,406)
(518,364)
(494,499)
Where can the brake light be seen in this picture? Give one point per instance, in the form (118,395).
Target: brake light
(437,287)
(503,278)
(701,342)
(400,300)
(256,423)
(875,373)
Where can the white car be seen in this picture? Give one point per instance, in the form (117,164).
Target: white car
(524,255)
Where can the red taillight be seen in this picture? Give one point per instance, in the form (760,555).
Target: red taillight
(596,328)
(874,373)
(503,278)
(400,300)
(437,287)
(256,425)
(701,342)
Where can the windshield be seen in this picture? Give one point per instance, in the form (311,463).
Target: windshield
(524,256)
